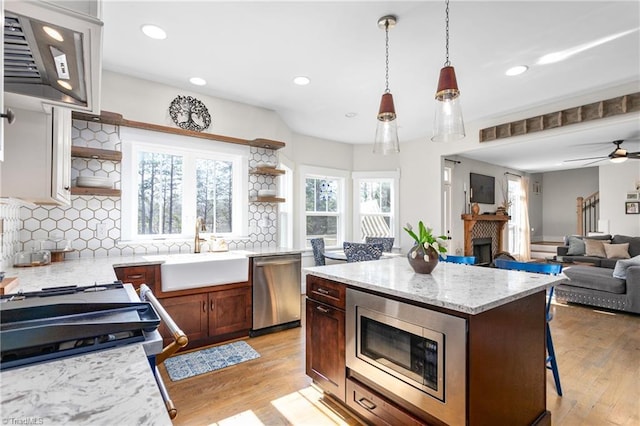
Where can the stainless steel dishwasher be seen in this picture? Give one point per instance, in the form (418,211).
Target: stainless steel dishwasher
(276,293)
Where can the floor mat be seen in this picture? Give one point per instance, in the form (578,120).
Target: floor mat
(209,359)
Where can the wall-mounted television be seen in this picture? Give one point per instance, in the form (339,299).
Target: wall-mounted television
(482,189)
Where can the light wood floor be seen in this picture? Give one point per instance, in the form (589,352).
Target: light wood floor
(598,355)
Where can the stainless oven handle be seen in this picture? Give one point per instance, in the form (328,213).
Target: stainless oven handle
(366,404)
(171,409)
(180,339)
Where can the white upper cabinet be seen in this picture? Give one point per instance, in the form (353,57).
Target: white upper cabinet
(37,166)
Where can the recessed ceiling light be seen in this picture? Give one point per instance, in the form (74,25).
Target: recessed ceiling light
(351,114)
(197,81)
(517,70)
(301,80)
(54,34)
(64,84)
(154,32)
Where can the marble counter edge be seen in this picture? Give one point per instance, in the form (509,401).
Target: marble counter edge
(114,386)
(412,297)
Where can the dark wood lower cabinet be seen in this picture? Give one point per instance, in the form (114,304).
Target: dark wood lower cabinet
(377,409)
(206,315)
(229,311)
(325,344)
(210,317)
(190,313)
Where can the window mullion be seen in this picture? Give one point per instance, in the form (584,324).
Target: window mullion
(189,195)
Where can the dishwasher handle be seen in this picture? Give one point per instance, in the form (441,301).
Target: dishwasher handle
(276,261)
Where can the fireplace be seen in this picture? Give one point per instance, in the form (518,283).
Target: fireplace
(482,250)
(484,226)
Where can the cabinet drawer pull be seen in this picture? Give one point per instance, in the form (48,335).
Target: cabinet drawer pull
(204,306)
(322,290)
(211,305)
(135,277)
(323,310)
(366,404)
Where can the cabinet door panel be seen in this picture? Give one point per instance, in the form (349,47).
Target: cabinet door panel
(325,344)
(229,311)
(189,313)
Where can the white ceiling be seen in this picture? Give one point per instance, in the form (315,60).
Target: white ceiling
(250,52)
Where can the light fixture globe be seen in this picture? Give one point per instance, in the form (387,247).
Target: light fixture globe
(448,124)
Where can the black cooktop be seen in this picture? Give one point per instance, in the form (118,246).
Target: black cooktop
(62,321)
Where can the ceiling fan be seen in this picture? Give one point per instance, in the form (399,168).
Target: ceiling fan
(618,155)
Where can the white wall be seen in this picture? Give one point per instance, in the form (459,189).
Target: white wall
(615,181)
(147,101)
(559,192)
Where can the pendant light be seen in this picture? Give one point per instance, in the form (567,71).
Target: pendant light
(386,141)
(448,124)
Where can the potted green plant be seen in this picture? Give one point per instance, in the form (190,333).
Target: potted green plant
(423,256)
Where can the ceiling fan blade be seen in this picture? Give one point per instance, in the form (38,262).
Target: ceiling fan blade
(633,154)
(594,162)
(585,159)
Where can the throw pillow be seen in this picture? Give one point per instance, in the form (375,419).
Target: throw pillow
(620,270)
(576,246)
(595,248)
(618,251)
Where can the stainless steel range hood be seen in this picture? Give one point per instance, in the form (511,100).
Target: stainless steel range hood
(52,54)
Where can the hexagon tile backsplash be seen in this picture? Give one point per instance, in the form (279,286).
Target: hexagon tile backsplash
(23,226)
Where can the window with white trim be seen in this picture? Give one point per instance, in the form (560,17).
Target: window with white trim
(174,180)
(324,205)
(375,204)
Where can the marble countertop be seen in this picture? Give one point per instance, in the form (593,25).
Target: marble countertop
(87,271)
(85,389)
(462,288)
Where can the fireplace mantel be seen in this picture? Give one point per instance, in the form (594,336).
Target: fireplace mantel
(470,221)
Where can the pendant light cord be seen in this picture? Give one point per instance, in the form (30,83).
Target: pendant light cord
(386,76)
(446,62)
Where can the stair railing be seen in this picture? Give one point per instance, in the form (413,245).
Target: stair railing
(588,213)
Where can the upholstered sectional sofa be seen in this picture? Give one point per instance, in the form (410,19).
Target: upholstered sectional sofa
(609,282)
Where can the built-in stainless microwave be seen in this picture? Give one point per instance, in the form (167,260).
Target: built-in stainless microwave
(409,352)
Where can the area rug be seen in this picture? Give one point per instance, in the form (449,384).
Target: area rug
(210,359)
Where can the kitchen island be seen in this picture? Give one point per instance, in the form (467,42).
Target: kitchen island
(491,365)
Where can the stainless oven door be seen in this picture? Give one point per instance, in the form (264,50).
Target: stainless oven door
(380,335)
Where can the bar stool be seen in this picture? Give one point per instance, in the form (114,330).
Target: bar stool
(549,269)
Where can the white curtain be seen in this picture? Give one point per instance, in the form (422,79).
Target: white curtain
(524,236)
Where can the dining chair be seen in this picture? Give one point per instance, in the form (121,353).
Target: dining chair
(549,269)
(317,244)
(387,242)
(361,252)
(466,260)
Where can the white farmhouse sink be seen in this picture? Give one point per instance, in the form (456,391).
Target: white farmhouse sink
(184,271)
